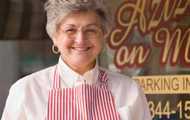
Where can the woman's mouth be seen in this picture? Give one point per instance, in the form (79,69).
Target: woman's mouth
(81,49)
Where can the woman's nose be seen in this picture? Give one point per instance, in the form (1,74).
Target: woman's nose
(80,37)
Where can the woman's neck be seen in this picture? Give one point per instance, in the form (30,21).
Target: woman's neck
(80,69)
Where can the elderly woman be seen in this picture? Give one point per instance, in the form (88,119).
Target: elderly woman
(77,88)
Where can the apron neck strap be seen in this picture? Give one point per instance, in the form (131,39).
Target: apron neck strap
(56,79)
(102,78)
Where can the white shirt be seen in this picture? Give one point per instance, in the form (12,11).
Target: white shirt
(28,97)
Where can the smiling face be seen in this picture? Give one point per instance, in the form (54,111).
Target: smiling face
(79,38)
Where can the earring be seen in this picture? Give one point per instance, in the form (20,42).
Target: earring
(55,49)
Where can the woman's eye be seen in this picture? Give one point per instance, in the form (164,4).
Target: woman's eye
(91,31)
(70,30)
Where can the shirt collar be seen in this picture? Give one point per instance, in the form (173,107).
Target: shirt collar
(70,78)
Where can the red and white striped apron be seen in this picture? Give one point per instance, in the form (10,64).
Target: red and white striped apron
(84,102)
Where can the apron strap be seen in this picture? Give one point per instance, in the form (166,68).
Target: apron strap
(102,78)
(56,79)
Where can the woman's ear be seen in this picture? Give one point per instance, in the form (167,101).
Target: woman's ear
(55,39)
(55,48)
(105,35)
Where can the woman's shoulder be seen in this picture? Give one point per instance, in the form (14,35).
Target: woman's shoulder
(119,78)
(123,87)
(118,81)
(36,79)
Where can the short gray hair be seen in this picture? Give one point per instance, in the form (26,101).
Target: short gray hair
(58,9)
